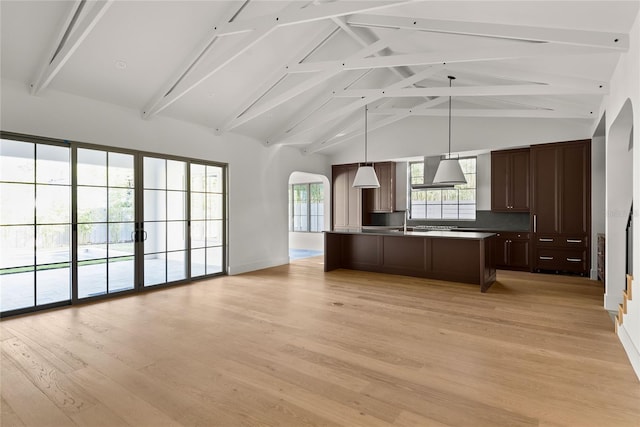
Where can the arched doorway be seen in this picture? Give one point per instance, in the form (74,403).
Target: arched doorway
(619,198)
(309,214)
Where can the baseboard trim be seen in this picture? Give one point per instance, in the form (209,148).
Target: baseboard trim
(632,352)
(258,265)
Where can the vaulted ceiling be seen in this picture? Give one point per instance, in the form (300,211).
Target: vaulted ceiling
(300,72)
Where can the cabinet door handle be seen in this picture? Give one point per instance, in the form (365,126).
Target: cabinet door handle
(546,257)
(574,240)
(574,259)
(545,240)
(535,222)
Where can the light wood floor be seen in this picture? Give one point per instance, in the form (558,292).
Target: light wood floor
(294,346)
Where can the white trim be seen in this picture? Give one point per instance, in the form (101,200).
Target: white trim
(630,348)
(257,265)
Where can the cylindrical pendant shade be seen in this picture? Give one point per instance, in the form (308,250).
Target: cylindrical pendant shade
(449,172)
(366,178)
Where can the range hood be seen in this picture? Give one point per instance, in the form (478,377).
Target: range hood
(430,168)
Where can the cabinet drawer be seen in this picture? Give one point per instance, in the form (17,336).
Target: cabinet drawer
(561,241)
(561,259)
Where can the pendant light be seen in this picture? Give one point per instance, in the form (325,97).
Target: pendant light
(449,170)
(366,175)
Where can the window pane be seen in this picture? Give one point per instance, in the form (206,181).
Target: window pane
(17,203)
(214,260)
(198,263)
(92,167)
(92,278)
(121,274)
(176,235)
(155,175)
(214,179)
(53,244)
(16,246)
(92,204)
(214,233)
(176,205)
(155,205)
(92,241)
(176,266)
(121,239)
(214,206)
(198,206)
(16,289)
(120,170)
(176,175)
(53,204)
(53,284)
(155,269)
(156,237)
(52,165)
(17,161)
(198,234)
(198,180)
(121,204)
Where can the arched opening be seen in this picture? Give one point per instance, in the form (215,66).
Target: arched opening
(619,198)
(309,214)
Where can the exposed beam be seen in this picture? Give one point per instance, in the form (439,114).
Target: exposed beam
(276,77)
(494,71)
(302,87)
(607,40)
(448,57)
(254,30)
(348,109)
(75,29)
(323,144)
(482,112)
(501,90)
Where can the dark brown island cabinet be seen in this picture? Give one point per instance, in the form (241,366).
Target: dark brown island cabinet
(510,180)
(464,257)
(511,250)
(561,206)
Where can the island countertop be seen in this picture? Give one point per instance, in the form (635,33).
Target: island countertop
(456,256)
(449,234)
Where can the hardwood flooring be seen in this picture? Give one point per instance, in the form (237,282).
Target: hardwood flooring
(294,346)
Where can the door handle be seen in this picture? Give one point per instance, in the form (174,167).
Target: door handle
(546,258)
(545,240)
(134,236)
(574,259)
(145,235)
(574,240)
(535,223)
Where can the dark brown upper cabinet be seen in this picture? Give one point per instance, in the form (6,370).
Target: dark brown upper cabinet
(346,201)
(383,199)
(510,180)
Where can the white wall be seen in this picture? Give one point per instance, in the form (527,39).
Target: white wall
(625,85)
(258,176)
(598,208)
(427,136)
(312,241)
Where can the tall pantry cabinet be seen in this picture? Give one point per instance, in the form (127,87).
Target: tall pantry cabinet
(561,206)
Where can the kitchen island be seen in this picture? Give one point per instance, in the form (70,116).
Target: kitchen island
(454,256)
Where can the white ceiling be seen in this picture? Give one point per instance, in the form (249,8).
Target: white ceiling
(300,72)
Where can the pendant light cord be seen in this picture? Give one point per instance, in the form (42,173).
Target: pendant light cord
(450,80)
(365,135)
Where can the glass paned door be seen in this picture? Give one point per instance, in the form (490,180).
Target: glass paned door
(105,202)
(165,221)
(207,219)
(35,224)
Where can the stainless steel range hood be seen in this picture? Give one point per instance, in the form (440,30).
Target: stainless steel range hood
(430,168)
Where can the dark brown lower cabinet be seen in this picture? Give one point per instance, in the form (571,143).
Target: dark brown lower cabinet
(511,251)
(562,253)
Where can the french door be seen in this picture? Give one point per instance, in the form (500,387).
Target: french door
(80,222)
